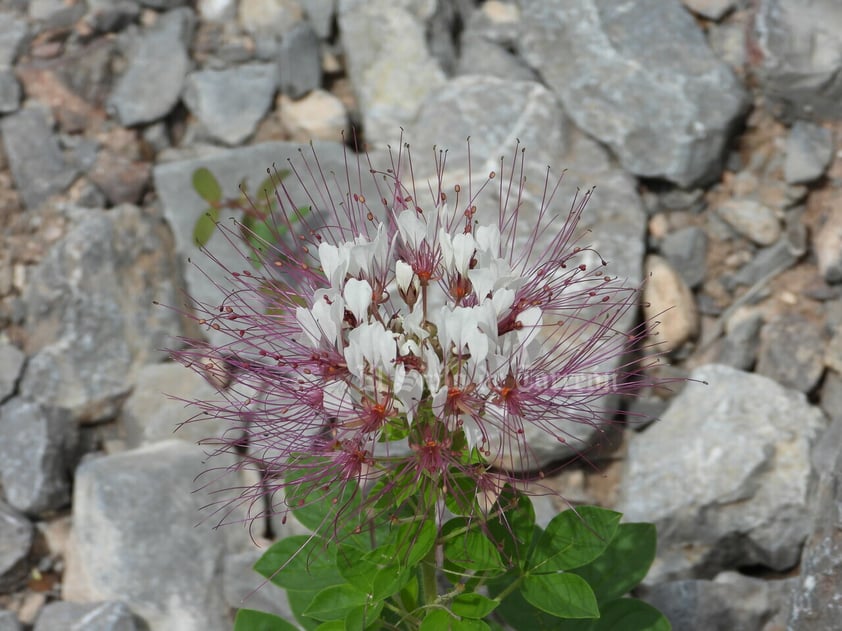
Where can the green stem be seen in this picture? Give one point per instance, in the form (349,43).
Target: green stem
(512,587)
(428,577)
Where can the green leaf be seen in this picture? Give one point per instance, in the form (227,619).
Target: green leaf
(206,185)
(563,595)
(408,596)
(300,563)
(628,614)
(473,605)
(470,549)
(413,541)
(389,580)
(440,620)
(251,620)
(574,538)
(334,602)
(519,614)
(205,225)
(461,497)
(262,235)
(624,563)
(298,603)
(332,625)
(514,527)
(363,617)
(377,572)
(315,506)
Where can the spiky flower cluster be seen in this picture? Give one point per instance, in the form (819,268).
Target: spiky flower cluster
(404,353)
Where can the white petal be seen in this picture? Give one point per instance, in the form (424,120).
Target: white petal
(338,399)
(334,262)
(357,294)
(463,251)
(403,275)
(308,325)
(488,239)
(502,300)
(374,344)
(412,228)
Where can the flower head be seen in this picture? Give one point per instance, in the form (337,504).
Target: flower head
(406,349)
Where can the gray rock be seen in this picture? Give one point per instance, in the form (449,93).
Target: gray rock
(496,22)
(13,30)
(55,14)
(710,9)
(442,28)
(828,246)
(728,42)
(493,112)
(107,16)
(481,56)
(38,165)
(245,588)
(120,179)
(770,261)
(809,150)
(739,347)
(121,506)
(91,313)
(158,64)
(156,407)
(300,61)
(37,453)
(833,353)
(389,65)
(827,449)
(230,103)
(11,364)
(320,15)
(792,352)
(686,250)
(730,602)
(16,536)
(752,220)
(269,18)
(318,116)
(725,475)
(640,78)
(799,52)
(831,397)
(816,605)
(164,5)
(106,616)
(10,92)
(9,621)
(675,198)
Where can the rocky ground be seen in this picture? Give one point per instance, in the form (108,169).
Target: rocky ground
(710,128)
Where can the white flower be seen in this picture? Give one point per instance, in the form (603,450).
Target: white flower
(369,258)
(357,295)
(408,388)
(488,240)
(404,276)
(456,251)
(371,344)
(335,260)
(323,319)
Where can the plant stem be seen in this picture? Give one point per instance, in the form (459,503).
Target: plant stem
(428,577)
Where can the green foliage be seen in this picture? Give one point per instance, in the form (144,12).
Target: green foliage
(260,228)
(251,620)
(573,576)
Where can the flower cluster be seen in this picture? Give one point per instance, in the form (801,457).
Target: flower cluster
(409,352)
